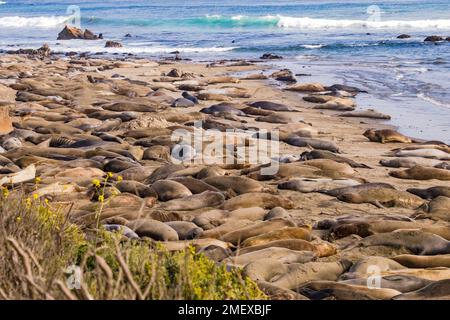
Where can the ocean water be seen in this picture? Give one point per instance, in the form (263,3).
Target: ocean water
(336,41)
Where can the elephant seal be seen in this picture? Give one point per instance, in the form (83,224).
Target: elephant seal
(220,227)
(136,188)
(362,266)
(186,230)
(237,184)
(322,249)
(422,173)
(431,193)
(401,283)
(299,274)
(182,103)
(157,153)
(271,106)
(275,118)
(188,96)
(194,185)
(370,113)
(283,255)
(163,172)
(253,199)
(324,154)
(154,229)
(385,136)
(424,153)
(313,185)
(194,202)
(239,235)
(298,141)
(346,291)
(277,213)
(409,162)
(256,111)
(223,107)
(169,190)
(362,187)
(383,197)
(437,209)
(127,232)
(433,291)
(418,242)
(414,261)
(281,234)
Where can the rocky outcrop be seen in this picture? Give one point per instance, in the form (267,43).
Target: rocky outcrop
(113,44)
(43,51)
(270,56)
(71,33)
(404,36)
(433,39)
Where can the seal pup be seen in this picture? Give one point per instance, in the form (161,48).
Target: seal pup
(385,136)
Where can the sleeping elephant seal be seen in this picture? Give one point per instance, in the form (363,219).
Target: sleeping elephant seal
(136,188)
(262,200)
(239,185)
(271,106)
(358,188)
(169,190)
(418,242)
(431,193)
(197,201)
(414,261)
(321,249)
(345,291)
(385,136)
(298,274)
(409,162)
(281,234)
(186,230)
(154,229)
(439,290)
(282,255)
(402,283)
(383,197)
(422,173)
(253,230)
(297,141)
(324,154)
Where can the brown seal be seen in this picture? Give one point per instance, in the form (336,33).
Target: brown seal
(386,135)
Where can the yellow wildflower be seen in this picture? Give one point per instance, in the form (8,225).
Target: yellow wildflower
(119,178)
(101,198)
(96,183)
(5,192)
(35,196)
(109,174)
(18,219)
(37,180)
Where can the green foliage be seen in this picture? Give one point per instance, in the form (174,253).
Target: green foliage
(112,267)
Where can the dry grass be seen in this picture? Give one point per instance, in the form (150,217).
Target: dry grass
(37,245)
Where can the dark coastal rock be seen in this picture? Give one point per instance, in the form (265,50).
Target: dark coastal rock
(128,35)
(113,44)
(404,36)
(43,51)
(433,39)
(447,39)
(270,56)
(284,75)
(70,33)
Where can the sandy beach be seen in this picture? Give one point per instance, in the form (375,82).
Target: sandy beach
(289,236)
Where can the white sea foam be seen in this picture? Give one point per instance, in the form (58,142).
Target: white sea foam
(432,100)
(309,23)
(313,46)
(33,22)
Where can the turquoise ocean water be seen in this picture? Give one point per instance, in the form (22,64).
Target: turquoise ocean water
(351,42)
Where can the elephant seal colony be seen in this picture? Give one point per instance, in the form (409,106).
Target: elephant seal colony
(348,200)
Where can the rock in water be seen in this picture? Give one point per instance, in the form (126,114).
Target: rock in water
(70,33)
(270,56)
(113,44)
(404,36)
(433,39)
